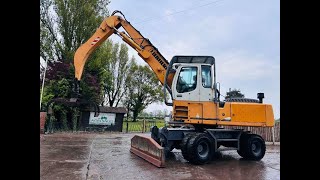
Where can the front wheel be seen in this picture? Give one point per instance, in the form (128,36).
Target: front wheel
(184,146)
(200,148)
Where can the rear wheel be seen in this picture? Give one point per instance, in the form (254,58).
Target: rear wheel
(241,153)
(200,149)
(243,140)
(252,147)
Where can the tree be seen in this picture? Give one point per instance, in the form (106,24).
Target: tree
(57,82)
(64,26)
(235,93)
(143,114)
(143,89)
(160,113)
(111,65)
(118,67)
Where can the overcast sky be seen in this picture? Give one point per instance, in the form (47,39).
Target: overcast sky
(243,36)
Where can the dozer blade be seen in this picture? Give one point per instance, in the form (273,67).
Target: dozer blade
(148,149)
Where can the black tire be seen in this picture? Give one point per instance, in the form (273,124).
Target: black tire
(200,149)
(243,145)
(241,153)
(252,147)
(184,144)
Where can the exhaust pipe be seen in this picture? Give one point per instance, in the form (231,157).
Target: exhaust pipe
(260,97)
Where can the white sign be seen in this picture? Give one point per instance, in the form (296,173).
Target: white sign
(102,119)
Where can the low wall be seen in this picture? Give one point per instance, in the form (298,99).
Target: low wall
(43,116)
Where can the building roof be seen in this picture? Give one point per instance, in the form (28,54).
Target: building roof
(105,109)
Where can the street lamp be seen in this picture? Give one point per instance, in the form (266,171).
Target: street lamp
(44,76)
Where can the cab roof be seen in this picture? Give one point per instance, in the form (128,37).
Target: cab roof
(193,59)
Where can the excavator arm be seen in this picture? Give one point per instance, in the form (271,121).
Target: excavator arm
(146,50)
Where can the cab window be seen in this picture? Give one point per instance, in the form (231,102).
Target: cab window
(187,79)
(206,76)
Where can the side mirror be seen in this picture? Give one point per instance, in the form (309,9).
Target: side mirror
(217,90)
(216,86)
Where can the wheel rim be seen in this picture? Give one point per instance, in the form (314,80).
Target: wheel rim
(203,149)
(256,147)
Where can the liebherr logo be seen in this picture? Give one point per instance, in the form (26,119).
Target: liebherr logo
(162,62)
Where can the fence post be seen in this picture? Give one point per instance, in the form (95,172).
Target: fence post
(127,128)
(273,135)
(143,125)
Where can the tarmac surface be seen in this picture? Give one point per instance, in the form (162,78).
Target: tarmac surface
(97,156)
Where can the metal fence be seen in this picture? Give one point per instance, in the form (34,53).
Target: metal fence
(139,126)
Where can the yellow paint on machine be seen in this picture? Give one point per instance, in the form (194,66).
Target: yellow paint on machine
(231,114)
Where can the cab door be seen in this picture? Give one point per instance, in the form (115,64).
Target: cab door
(186,87)
(206,81)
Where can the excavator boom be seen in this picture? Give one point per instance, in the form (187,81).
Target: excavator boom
(146,50)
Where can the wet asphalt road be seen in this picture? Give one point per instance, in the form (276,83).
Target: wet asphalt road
(107,156)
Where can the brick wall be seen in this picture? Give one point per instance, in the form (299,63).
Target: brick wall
(43,116)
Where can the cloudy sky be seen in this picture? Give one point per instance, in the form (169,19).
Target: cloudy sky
(243,36)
